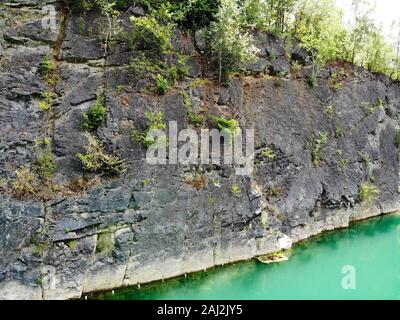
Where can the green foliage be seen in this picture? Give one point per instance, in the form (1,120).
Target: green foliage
(336,79)
(368,192)
(379,102)
(275,192)
(38,181)
(342,164)
(236,190)
(45,167)
(105,244)
(198,83)
(339,131)
(162,84)
(44,105)
(312,80)
(120,89)
(199,13)
(318,26)
(150,36)
(48,97)
(105,6)
(269,154)
(229,126)
(23,185)
(189,14)
(329,112)
(95,116)
(296,67)
(145,182)
(154,121)
(231,46)
(316,23)
(315,145)
(72,244)
(196,119)
(269,15)
(397,139)
(96,160)
(39,248)
(46,66)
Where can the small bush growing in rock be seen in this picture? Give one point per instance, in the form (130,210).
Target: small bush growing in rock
(154,121)
(96,116)
(105,243)
(23,183)
(329,112)
(38,181)
(236,190)
(268,153)
(48,97)
(296,67)
(45,167)
(230,126)
(368,192)
(162,84)
(275,192)
(196,119)
(315,145)
(96,160)
(379,102)
(46,66)
(312,81)
(339,131)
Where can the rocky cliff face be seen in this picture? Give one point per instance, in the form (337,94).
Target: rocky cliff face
(155,222)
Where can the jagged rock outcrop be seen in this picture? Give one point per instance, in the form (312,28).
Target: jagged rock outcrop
(151,223)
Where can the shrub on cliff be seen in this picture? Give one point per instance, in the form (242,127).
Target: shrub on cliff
(45,167)
(95,116)
(230,126)
(368,192)
(162,85)
(45,66)
(23,185)
(154,121)
(150,36)
(97,160)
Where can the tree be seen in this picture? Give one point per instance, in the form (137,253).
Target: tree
(281,9)
(378,52)
(318,26)
(360,33)
(395,72)
(271,15)
(232,47)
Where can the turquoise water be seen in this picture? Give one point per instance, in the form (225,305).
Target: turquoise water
(314,271)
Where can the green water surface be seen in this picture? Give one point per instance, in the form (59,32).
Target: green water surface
(314,271)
